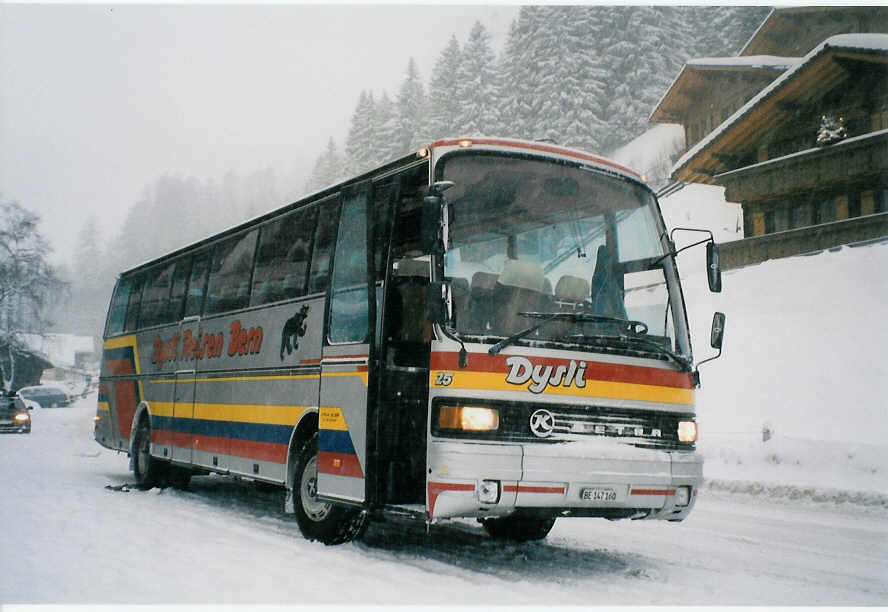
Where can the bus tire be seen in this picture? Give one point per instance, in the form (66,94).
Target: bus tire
(518,528)
(323,521)
(149,472)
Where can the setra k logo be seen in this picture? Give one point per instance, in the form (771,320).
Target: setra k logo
(542,423)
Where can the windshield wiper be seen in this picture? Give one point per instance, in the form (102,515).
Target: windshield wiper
(658,348)
(635,327)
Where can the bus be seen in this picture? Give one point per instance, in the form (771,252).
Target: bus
(484,328)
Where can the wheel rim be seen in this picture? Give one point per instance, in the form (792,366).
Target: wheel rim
(142,451)
(308,491)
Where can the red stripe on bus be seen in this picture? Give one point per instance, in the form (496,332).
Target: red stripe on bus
(535,146)
(339,464)
(125,396)
(595,370)
(261,451)
(436,488)
(652,492)
(529,489)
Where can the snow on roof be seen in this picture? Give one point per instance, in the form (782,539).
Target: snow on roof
(868,42)
(774,62)
(59,349)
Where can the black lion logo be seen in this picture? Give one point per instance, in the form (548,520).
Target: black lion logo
(294,328)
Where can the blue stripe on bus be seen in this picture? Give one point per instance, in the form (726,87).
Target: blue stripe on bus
(334,441)
(123,352)
(256,432)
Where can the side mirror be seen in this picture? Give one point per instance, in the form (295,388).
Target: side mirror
(431,215)
(717,335)
(713,268)
(431,222)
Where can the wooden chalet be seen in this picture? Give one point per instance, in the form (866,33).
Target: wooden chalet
(751,125)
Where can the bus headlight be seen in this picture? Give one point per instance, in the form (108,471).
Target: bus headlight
(22,417)
(468,418)
(687,431)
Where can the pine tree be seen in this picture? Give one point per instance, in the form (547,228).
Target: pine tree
(328,169)
(444,103)
(384,141)
(359,143)
(411,105)
(478,84)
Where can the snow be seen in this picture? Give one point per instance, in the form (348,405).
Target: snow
(745,61)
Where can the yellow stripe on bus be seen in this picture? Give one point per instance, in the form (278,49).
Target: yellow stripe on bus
(361,375)
(239,413)
(331,418)
(604,389)
(104,407)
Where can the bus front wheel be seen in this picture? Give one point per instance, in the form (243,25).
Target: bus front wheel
(518,528)
(320,520)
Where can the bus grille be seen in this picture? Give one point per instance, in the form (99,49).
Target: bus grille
(640,428)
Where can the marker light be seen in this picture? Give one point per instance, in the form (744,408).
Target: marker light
(468,418)
(687,431)
(422,153)
(489,491)
(465,144)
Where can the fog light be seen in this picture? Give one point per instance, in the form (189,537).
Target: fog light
(489,491)
(682,496)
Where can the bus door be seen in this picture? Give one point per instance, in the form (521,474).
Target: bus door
(346,359)
(186,375)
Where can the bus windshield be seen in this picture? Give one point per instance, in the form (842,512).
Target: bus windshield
(544,252)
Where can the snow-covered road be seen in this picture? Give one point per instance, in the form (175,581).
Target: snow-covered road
(68,539)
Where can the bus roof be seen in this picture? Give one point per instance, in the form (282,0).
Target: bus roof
(487,143)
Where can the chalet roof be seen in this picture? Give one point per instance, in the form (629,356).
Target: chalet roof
(678,97)
(816,73)
(783,22)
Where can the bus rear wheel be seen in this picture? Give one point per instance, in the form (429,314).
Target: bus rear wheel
(149,472)
(518,527)
(319,520)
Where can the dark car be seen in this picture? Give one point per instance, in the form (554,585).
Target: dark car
(14,417)
(45,396)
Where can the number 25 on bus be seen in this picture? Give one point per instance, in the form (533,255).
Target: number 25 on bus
(483,328)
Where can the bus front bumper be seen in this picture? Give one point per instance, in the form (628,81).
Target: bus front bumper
(573,478)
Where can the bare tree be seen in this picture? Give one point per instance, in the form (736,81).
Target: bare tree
(27,284)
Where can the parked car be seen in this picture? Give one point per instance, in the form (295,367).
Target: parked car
(14,416)
(45,396)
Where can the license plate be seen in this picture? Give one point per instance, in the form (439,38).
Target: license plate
(5,422)
(598,494)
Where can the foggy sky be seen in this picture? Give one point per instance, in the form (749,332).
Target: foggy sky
(98,101)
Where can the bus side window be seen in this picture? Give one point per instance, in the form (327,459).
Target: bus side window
(328,222)
(117,315)
(132,309)
(349,308)
(197,284)
(282,259)
(178,291)
(156,296)
(229,284)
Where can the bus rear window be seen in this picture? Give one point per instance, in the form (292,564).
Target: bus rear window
(117,312)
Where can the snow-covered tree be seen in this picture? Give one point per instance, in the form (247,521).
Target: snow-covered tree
(359,142)
(28,284)
(444,103)
(478,84)
(328,168)
(411,105)
(384,141)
